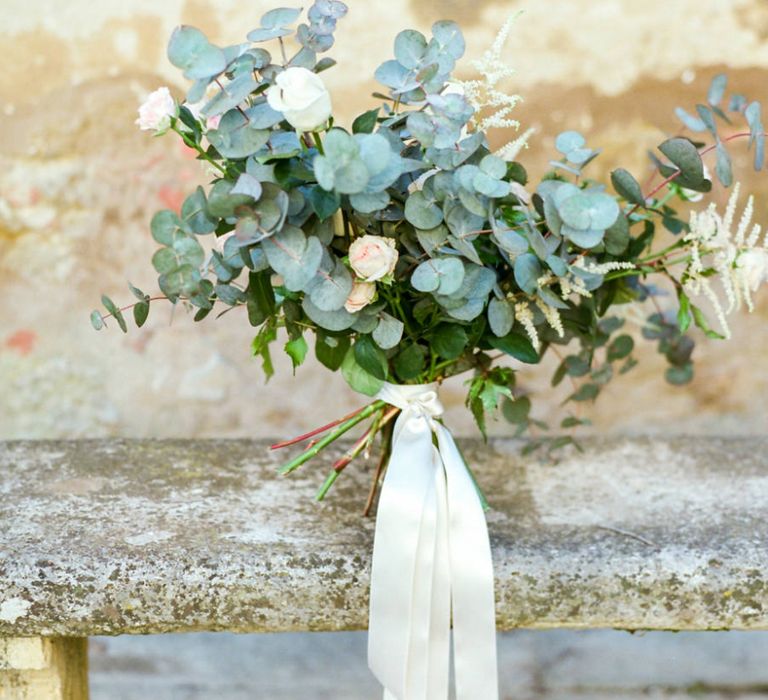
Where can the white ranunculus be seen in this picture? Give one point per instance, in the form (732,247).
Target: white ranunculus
(372,257)
(156,111)
(753,266)
(302,97)
(361,295)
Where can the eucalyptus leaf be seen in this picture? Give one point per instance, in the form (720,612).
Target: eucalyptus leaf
(369,203)
(164,226)
(190,50)
(194,212)
(236,137)
(691,122)
(717,89)
(567,141)
(723,168)
(432,239)
(617,236)
(685,156)
(410,47)
(262,116)
(294,256)
(511,241)
(329,290)
(230,95)
(627,186)
(388,332)
(247,185)
(527,271)
(339,320)
(449,38)
(500,316)
(421,212)
(440,275)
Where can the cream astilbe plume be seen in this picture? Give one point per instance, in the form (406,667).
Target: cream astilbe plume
(735,257)
(492,104)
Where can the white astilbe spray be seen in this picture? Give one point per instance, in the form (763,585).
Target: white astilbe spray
(524,314)
(603,268)
(492,104)
(552,315)
(736,257)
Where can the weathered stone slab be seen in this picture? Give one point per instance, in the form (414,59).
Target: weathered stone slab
(113,537)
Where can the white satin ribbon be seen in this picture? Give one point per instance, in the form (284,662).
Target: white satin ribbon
(431,556)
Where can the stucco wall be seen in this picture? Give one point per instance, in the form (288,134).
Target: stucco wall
(79,183)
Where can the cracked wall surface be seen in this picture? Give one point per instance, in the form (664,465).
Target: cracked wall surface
(79,183)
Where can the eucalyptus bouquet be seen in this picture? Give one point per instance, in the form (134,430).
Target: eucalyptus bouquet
(410,250)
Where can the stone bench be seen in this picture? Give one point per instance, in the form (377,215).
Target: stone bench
(126,537)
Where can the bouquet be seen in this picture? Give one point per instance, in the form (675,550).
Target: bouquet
(409,251)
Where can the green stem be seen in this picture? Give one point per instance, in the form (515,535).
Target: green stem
(194,144)
(326,487)
(661,253)
(318,142)
(328,439)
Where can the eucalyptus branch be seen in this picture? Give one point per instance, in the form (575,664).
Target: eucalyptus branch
(104,317)
(702,152)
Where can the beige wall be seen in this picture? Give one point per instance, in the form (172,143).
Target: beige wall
(78,184)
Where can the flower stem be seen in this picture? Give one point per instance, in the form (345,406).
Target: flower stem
(328,439)
(193,144)
(316,431)
(318,142)
(386,448)
(362,444)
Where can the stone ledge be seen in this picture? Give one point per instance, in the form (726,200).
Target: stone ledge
(121,536)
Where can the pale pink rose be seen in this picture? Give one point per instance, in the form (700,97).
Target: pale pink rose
(302,97)
(361,295)
(157,110)
(373,257)
(213,122)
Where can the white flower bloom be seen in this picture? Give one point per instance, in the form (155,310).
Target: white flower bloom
(361,295)
(493,105)
(524,314)
(156,111)
(739,264)
(552,315)
(373,257)
(302,97)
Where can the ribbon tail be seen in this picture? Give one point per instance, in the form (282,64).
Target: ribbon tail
(472,583)
(403,557)
(440,621)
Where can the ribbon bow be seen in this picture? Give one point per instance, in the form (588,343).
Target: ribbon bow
(431,557)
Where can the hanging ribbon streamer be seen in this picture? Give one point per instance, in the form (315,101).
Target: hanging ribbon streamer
(431,558)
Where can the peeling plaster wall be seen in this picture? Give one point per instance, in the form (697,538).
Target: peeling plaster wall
(79,183)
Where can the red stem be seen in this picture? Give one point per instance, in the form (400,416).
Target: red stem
(130,306)
(669,179)
(316,431)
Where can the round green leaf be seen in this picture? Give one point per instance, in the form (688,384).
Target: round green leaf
(190,50)
(388,332)
(422,213)
(500,316)
(357,378)
(569,141)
